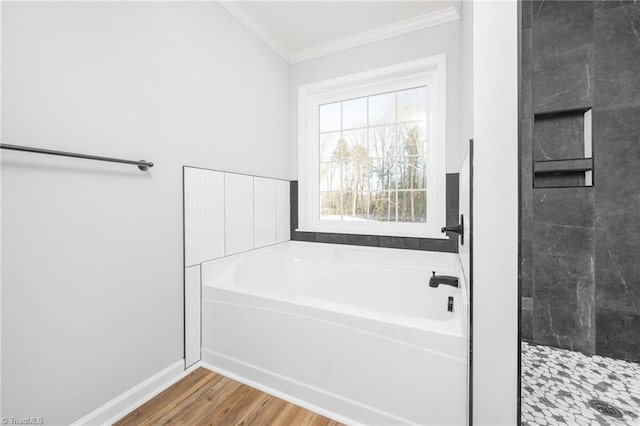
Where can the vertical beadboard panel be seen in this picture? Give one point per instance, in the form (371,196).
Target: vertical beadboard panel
(238,205)
(264,211)
(192,297)
(203,215)
(208,270)
(282,211)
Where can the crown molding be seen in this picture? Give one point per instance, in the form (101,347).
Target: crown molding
(234,8)
(421,22)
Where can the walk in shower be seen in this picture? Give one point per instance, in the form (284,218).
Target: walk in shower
(580,213)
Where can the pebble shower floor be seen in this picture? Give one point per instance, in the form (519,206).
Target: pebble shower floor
(558,384)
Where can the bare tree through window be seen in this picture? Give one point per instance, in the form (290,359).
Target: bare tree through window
(373,158)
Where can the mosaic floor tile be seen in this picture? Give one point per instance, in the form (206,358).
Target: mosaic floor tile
(557,386)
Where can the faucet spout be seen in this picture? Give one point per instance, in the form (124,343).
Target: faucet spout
(436,280)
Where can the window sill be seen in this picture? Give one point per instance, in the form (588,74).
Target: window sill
(428,235)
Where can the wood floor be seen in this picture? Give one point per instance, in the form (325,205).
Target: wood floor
(207,398)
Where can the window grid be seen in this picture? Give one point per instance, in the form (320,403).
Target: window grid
(399,160)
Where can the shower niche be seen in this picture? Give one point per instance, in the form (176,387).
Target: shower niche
(562,149)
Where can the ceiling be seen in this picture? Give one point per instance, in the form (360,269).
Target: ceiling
(301,30)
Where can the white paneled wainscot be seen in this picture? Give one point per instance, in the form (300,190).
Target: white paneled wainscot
(203,215)
(192,309)
(264,215)
(225,214)
(238,213)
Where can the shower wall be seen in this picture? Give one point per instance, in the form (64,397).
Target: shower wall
(580,245)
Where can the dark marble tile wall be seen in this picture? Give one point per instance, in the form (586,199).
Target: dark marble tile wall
(617,157)
(526,208)
(558,225)
(563,268)
(617,54)
(558,136)
(562,55)
(618,334)
(526,319)
(580,274)
(564,180)
(616,127)
(525,277)
(526,74)
(450,245)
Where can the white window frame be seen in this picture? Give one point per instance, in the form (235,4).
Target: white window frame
(428,71)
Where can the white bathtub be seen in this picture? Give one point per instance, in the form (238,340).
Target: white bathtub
(355,333)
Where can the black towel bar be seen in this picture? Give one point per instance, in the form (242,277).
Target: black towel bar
(142,164)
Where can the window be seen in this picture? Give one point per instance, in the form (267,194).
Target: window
(372,152)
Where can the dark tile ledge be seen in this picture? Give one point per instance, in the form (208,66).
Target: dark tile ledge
(428,244)
(411,243)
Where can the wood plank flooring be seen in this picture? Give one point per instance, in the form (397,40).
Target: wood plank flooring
(207,398)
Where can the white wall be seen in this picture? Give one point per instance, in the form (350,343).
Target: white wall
(467,74)
(92,294)
(495,209)
(445,38)
(0,219)
(467,134)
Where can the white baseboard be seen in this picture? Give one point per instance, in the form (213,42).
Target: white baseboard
(311,398)
(249,375)
(128,401)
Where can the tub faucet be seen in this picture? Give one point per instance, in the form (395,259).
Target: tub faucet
(436,280)
(456,229)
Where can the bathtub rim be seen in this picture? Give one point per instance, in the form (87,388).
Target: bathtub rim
(460,309)
(423,324)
